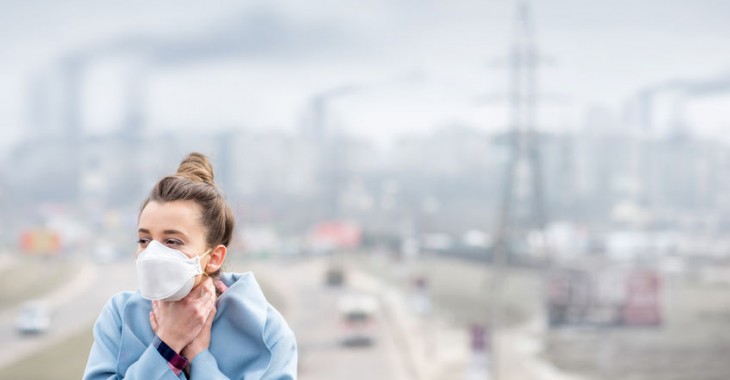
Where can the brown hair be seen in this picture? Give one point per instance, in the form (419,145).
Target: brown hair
(194,182)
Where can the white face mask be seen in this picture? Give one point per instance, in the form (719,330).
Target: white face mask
(166,274)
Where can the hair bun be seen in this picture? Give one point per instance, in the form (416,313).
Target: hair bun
(197,167)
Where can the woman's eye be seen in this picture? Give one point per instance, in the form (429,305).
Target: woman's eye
(172,242)
(143,241)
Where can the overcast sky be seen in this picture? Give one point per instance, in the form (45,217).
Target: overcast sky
(416,64)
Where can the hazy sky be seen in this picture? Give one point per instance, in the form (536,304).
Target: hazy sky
(417,64)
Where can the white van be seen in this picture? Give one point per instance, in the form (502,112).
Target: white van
(357,316)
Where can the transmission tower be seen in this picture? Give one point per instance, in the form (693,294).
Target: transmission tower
(522,206)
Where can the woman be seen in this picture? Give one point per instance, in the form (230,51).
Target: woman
(188,320)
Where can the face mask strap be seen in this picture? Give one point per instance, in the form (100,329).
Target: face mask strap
(206,253)
(203,255)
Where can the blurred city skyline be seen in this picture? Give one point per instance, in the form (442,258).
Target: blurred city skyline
(416,66)
(497,174)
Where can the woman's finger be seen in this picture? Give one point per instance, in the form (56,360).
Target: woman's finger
(211,316)
(204,287)
(208,304)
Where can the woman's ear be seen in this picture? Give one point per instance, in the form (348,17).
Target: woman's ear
(217,255)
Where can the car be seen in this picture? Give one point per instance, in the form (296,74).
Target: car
(33,318)
(357,316)
(335,276)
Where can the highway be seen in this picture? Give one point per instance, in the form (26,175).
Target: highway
(309,307)
(312,313)
(73,306)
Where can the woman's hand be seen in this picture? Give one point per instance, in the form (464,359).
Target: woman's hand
(178,323)
(202,341)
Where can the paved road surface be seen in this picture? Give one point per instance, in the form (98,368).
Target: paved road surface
(73,306)
(310,309)
(311,312)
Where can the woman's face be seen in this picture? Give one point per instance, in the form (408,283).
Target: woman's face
(175,224)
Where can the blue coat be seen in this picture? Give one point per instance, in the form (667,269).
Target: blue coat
(249,339)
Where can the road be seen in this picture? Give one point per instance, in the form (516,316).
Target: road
(406,347)
(312,314)
(73,306)
(310,308)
